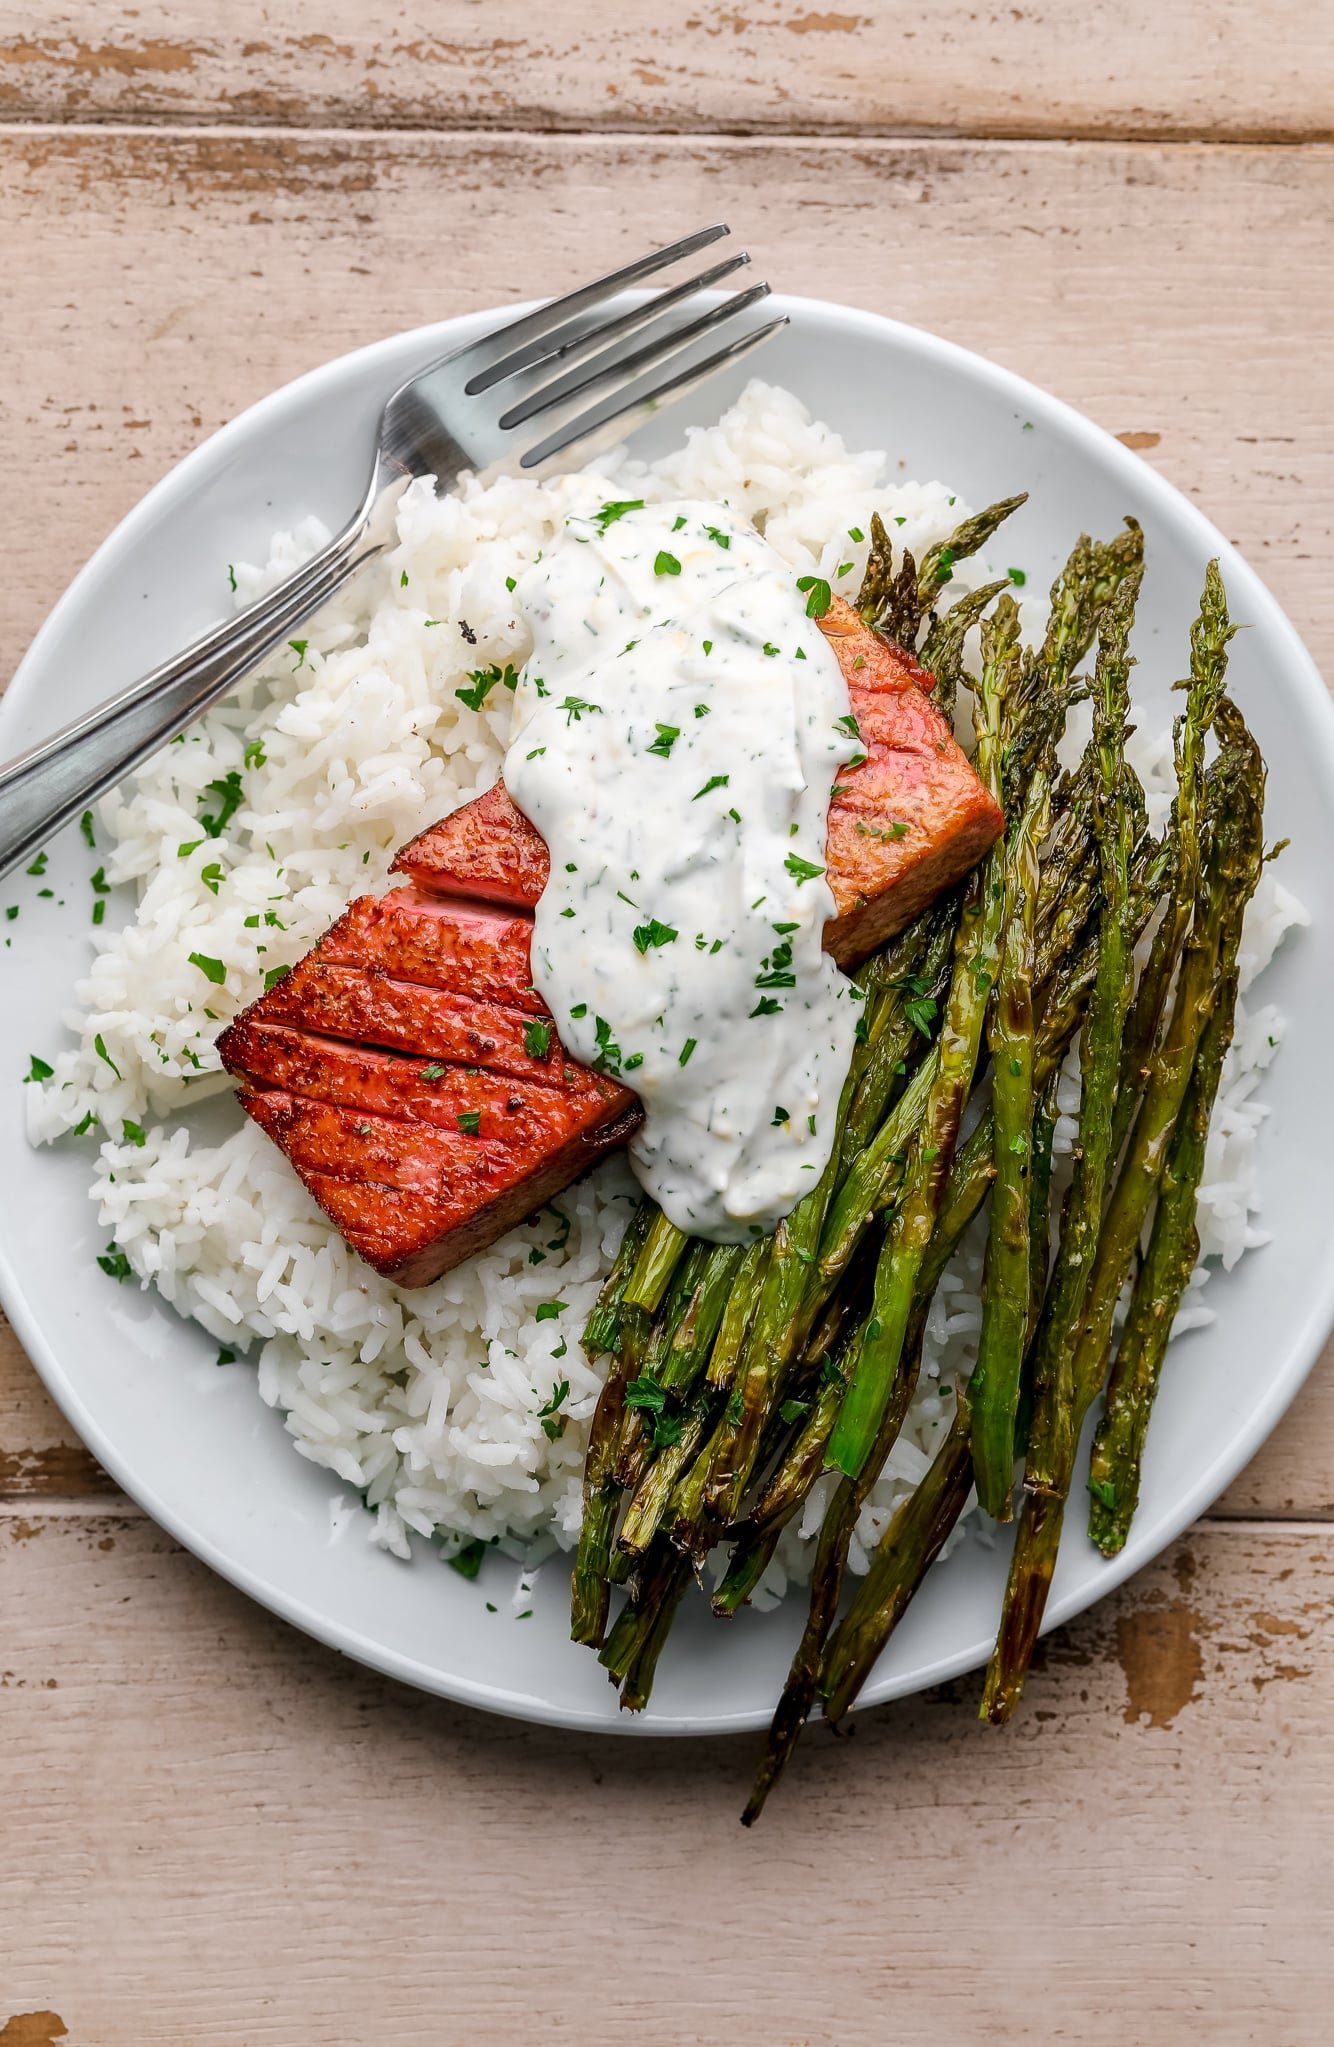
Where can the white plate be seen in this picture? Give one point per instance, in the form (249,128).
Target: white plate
(195,1445)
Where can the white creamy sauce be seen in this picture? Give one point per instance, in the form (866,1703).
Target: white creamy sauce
(677,731)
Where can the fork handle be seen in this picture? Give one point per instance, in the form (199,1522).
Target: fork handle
(41,790)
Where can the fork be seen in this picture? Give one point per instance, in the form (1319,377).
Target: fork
(555,380)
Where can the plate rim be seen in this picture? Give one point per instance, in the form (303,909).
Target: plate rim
(1193,1501)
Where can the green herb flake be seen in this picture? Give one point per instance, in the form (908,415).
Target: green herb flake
(86,827)
(665,741)
(645,1394)
(273,975)
(467,1561)
(855,533)
(719,538)
(115,1264)
(254,753)
(653,933)
(780,1116)
(714,782)
(300,648)
(37,1069)
(469,1122)
(38,866)
(793,1410)
(1017,577)
(686,1050)
(133,1133)
(665,564)
(801,870)
(818,595)
(537,1038)
(547,1311)
(212,970)
(617,509)
(99,1047)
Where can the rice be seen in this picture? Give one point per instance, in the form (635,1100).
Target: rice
(459,1410)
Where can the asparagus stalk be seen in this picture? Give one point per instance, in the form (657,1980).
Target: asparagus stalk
(906,1551)
(1174,1244)
(831,1557)
(976,958)
(589,1586)
(893,601)
(995,1381)
(1233,828)
(1210,635)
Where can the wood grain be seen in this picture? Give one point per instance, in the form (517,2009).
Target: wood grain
(308,1852)
(1199,68)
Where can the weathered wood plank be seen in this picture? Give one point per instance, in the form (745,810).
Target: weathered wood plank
(1203,68)
(357,1861)
(160,281)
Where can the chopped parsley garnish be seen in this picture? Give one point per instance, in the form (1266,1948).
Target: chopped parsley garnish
(433,1072)
(843,569)
(855,533)
(766,1006)
(918,1005)
(553,1424)
(717,535)
(212,970)
(770,649)
(231,577)
(645,1394)
(547,1311)
(133,1133)
(848,723)
(780,1116)
(483,681)
(100,885)
(115,1264)
(1017,577)
(99,911)
(86,827)
(686,1051)
(300,648)
(579,1009)
(666,564)
(702,710)
(403,580)
(665,741)
(84,1124)
(629,1065)
(678,522)
(535,752)
(230,796)
(792,1410)
(617,509)
(38,866)
(467,1561)
(469,1122)
(801,870)
(945,565)
(708,648)
(211,876)
(273,975)
(575,707)
(653,933)
(537,1038)
(37,1069)
(714,782)
(254,753)
(818,594)
(608,1055)
(99,1047)
(509,582)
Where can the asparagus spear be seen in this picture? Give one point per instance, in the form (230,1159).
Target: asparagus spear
(976,955)
(995,1380)
(1210,634)
(589,1589)
(1174,1244)
(895,602)
(831,1557)
(906,1551)
(1232,835)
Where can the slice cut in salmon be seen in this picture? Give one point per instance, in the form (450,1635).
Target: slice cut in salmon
(410,1071)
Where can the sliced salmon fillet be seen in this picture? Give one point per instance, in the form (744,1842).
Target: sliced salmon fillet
(908,822)
(409,1069)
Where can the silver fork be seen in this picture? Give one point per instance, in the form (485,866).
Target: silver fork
(553,381)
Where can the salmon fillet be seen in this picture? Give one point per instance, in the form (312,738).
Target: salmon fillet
(903,826)
(410,1071)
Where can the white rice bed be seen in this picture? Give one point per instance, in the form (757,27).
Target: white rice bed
(453,1409)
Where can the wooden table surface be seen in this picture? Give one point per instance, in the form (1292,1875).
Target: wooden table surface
(217,1831)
